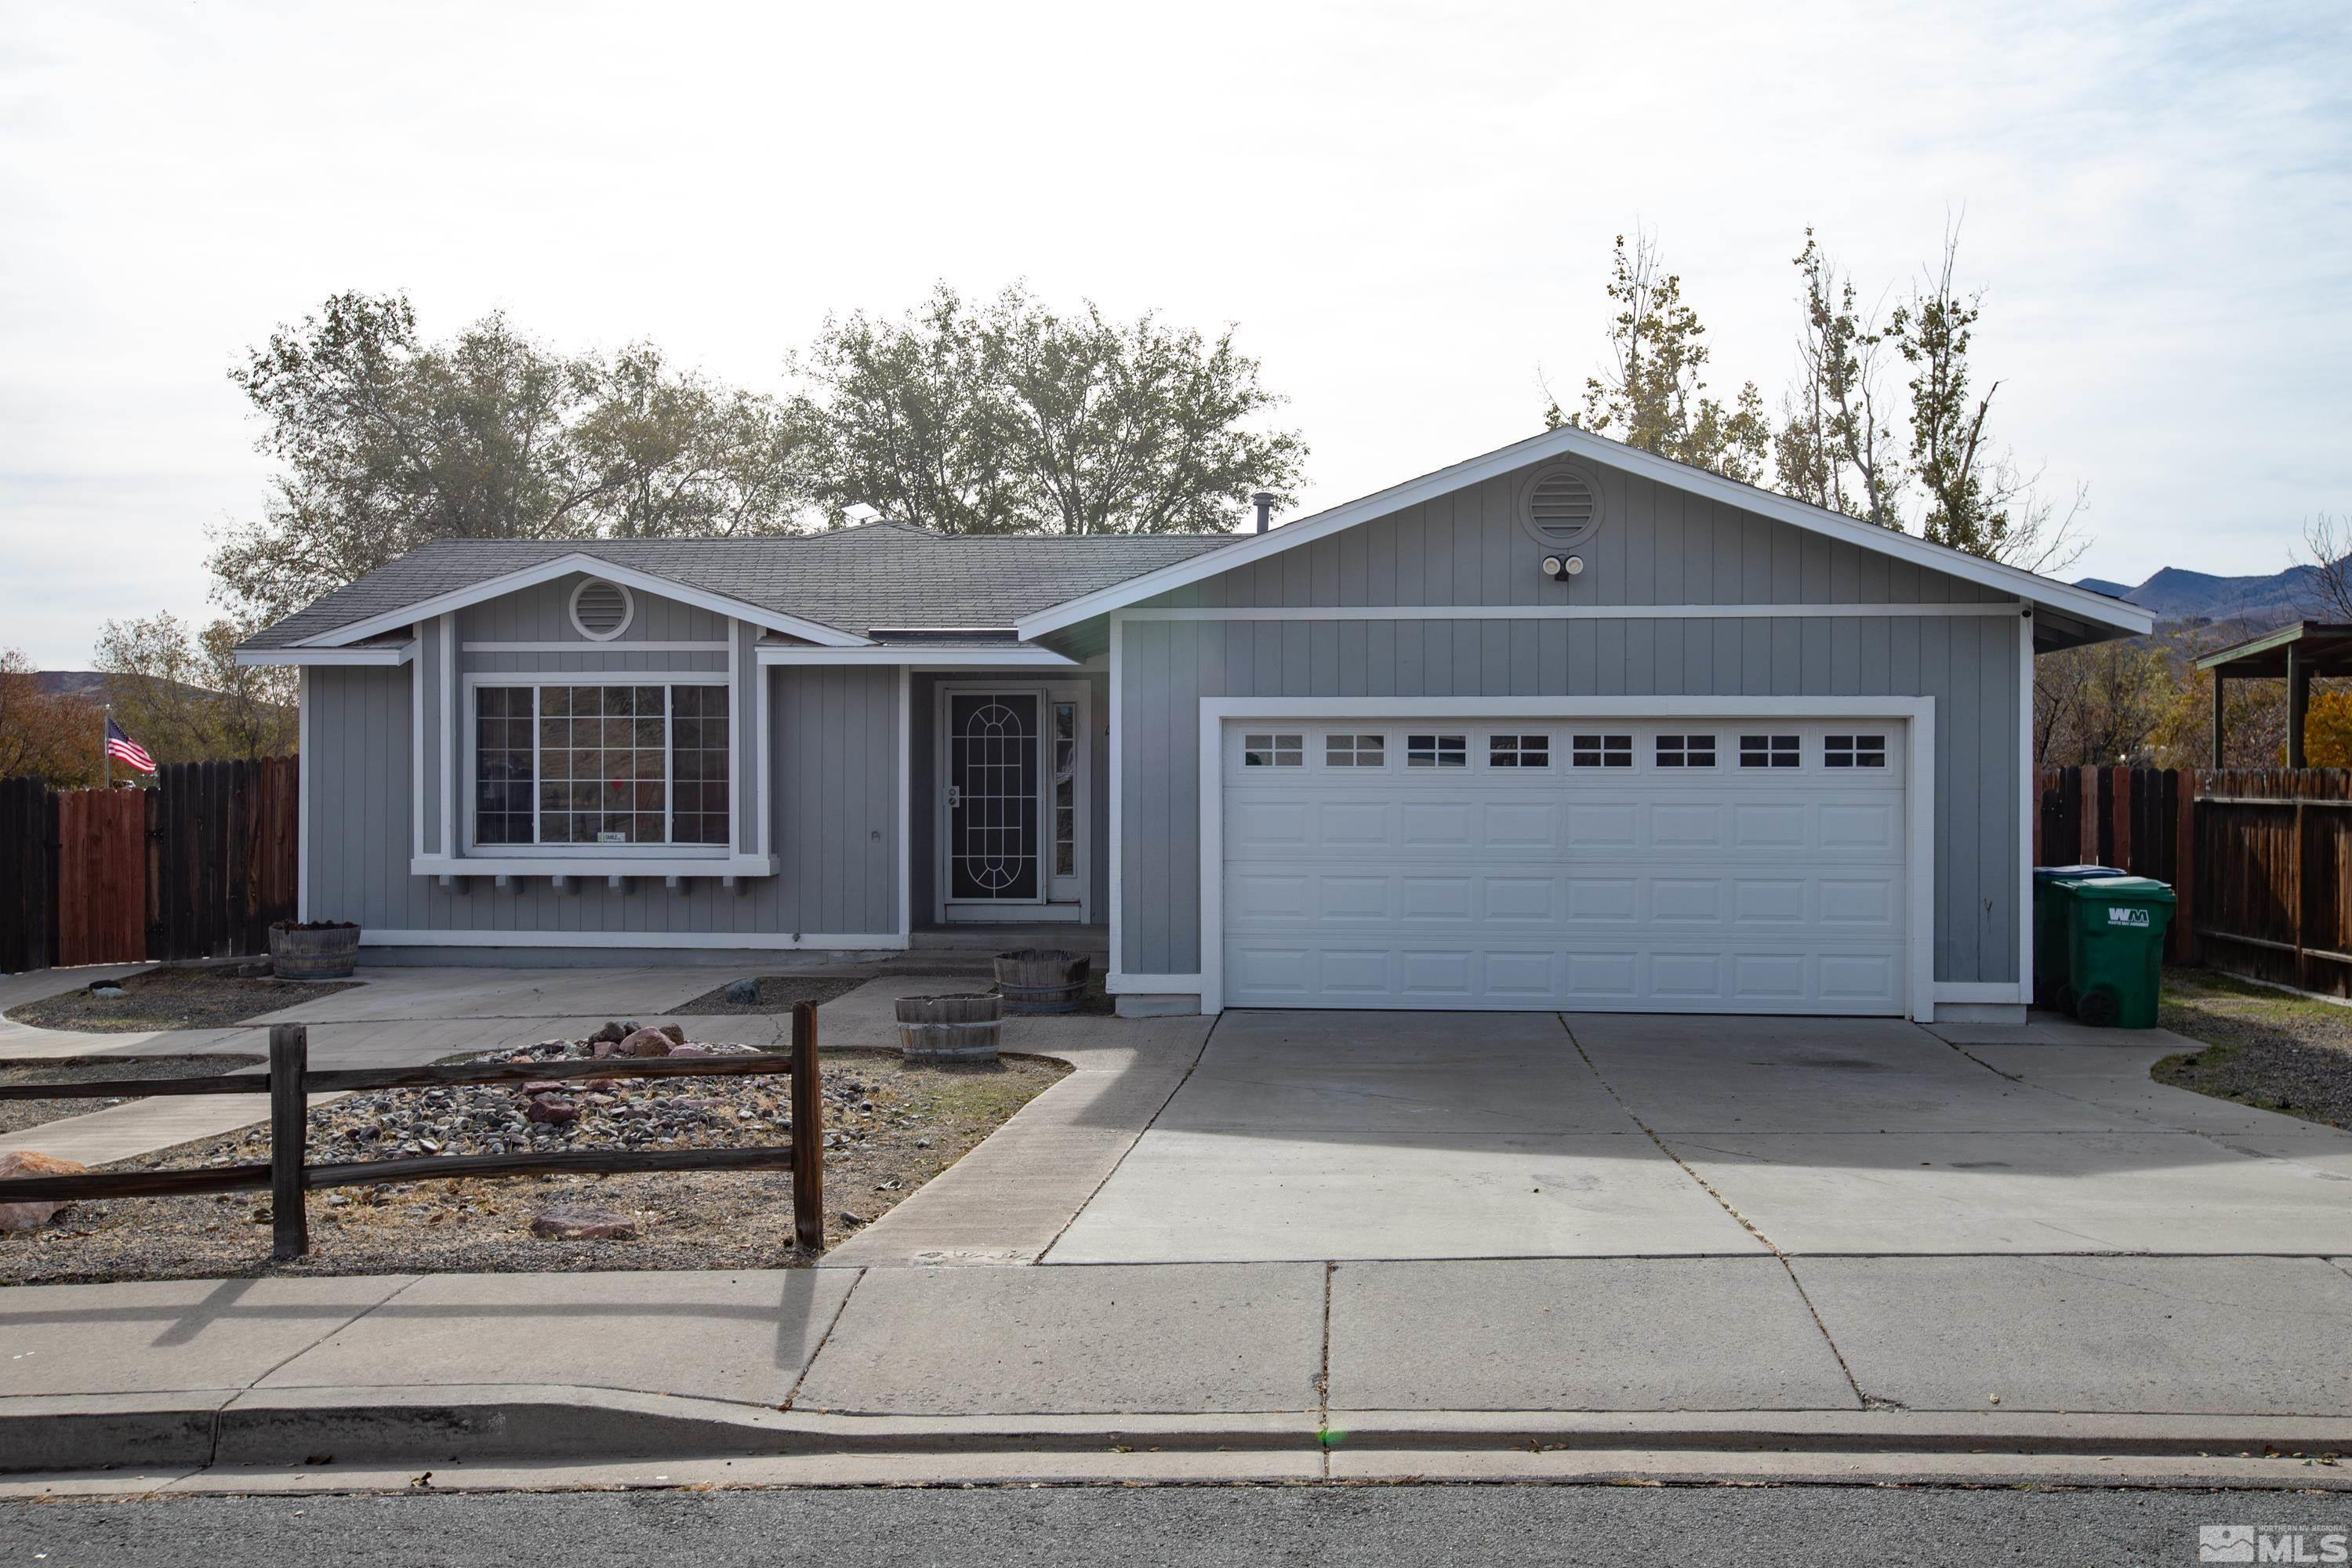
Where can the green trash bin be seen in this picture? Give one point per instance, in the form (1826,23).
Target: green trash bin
(2115,947)
(2050,912)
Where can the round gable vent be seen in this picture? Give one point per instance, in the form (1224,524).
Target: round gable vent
(601,610)
(1561,505)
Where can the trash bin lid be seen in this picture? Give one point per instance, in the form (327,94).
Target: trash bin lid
(2117,889)
(2052,873)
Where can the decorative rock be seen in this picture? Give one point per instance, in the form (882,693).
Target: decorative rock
(613,1032)
(105,988)
(541,1085)
(33,1215)
(645,1042)
(549,1109)
(676,1032)
(691,1051)
(584,1225)
(743,993)
(603,1048)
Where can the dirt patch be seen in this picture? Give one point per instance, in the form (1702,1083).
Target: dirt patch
(2261,1047)
(890,1127)
(778,992)
(173,999)
(16,1115)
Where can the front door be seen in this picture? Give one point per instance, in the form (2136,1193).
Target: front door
(994,796)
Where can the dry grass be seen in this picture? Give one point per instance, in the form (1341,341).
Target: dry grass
(2261,1047)
(173,999)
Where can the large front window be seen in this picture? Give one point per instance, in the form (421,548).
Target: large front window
(600,764)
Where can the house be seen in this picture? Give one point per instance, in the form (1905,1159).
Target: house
(1567,725)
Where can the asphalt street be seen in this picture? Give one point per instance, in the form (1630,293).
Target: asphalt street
(1684,1527)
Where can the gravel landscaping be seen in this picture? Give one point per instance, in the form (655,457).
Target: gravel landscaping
(890,1127)
(16,1115)
(2261,1047)
(172,999)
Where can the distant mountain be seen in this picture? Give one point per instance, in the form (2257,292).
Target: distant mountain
(90,684)
(2177,595)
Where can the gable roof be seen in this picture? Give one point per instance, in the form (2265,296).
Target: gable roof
(832,588)
(2094,608)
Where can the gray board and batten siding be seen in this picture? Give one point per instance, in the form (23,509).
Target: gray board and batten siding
(1657,545)
(833,743)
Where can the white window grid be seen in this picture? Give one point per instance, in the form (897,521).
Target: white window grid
(1770,751)
(1686,751)
(1518,750)
(1437,751)
(1357,750)
(1273,750)
(1602,750)
(1854,751)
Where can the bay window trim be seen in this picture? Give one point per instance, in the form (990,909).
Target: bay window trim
(643,860)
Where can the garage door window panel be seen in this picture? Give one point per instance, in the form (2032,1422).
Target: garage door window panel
(1518,750)
(1437,751)
(1274,751)
(1355,751)
(1853,752)
(1601,751)
(1686,751)
(1770,751)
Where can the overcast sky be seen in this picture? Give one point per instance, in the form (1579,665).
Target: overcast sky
(1407,208)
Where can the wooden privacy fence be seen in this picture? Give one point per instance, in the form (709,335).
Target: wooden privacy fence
(2134,819)
(291,1082)
(2274,852)
(197,866)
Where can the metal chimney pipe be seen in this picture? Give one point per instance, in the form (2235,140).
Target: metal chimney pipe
(1264,501)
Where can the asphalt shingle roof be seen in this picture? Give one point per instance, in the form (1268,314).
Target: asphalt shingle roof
(852,579)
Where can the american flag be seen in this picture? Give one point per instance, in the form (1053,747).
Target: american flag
(123,748)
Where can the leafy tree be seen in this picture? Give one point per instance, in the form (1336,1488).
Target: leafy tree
(1835,447)
(2102,704)
(185,697)
(1010,417)
(1978,499)
(388,441)
(1652,394)
(45,734)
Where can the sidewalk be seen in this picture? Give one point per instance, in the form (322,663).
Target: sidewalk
(1735,1366)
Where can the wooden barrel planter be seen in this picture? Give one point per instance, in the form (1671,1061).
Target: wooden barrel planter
(949,1029)
(321,950)
(1043,980)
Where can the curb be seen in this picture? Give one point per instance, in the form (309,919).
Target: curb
(511,1424)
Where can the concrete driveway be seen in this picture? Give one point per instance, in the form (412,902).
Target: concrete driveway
(1396,1136)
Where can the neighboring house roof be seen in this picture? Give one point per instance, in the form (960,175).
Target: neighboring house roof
(851,580)
(2095,609)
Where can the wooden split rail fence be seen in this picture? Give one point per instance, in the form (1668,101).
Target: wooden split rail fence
(291,1082)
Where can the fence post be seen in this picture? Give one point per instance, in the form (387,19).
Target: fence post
(290,1129)
(808,1132)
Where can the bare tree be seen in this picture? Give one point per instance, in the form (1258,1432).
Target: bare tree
(2328,544)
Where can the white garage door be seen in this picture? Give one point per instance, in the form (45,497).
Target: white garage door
(1686,865)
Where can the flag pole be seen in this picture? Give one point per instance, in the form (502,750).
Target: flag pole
(106,754)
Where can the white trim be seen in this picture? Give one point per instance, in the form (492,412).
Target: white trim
(564,567)
(250,657)
(305,777)
(1151,985)
(764,808)
(615,860)
(454,725)
(416,845)
(736,737)
(628,608)
(980,912)
(1964,992)
(539,855)
(1080,695)
(1568,441)
(905,829)
(1917,715)
(1117,772)
(573,648)
(1009,656)
(2028,804)
(863,942)
(1573,611)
